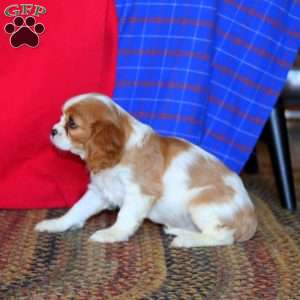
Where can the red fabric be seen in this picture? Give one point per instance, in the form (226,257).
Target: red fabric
(76,54)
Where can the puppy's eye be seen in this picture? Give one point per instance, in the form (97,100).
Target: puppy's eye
(71,124)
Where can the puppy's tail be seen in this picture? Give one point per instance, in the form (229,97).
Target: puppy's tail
(245,225)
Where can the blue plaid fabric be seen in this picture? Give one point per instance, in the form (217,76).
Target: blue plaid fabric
(208,71)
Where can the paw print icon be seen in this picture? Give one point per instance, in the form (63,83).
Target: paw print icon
(24,32)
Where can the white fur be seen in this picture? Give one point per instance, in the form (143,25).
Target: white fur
(171,209)
(140,132)
(85,97)
(113,183)
(116,187)
(241,198)
(120,190)
(60,140)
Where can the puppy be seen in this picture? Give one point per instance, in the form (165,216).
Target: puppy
(167,180)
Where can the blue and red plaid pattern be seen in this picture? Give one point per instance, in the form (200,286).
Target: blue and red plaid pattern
(209,71)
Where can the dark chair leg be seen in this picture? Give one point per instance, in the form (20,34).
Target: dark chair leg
(280,154)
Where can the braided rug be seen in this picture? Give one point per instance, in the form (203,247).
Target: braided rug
(67,266)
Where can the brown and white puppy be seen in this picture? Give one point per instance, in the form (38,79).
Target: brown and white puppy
(164,179)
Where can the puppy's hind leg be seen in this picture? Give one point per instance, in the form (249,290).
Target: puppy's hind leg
(209,237)
(210,233)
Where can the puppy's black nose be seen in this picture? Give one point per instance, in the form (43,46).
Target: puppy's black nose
(54,132)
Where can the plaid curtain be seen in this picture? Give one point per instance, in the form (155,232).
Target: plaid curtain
(208,71)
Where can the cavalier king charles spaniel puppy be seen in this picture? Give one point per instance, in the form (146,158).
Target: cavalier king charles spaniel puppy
(167,180)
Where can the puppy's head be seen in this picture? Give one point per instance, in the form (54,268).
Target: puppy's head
(91,126)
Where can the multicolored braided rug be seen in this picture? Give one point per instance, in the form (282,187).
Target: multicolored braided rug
(65,266)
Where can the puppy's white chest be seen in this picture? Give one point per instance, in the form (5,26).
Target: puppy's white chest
(112,184)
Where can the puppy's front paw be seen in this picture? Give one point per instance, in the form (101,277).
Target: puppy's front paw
(108,236)
(55,225)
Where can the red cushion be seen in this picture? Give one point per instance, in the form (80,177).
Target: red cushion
(76,54)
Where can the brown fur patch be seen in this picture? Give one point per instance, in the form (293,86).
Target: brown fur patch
(85,114)
(244,222)
(101,132)
(150,161)
(147,164)
(208,172)
(171,147)
(105,146)
(217,194)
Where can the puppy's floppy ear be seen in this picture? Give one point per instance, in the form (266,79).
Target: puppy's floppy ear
(105,146)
